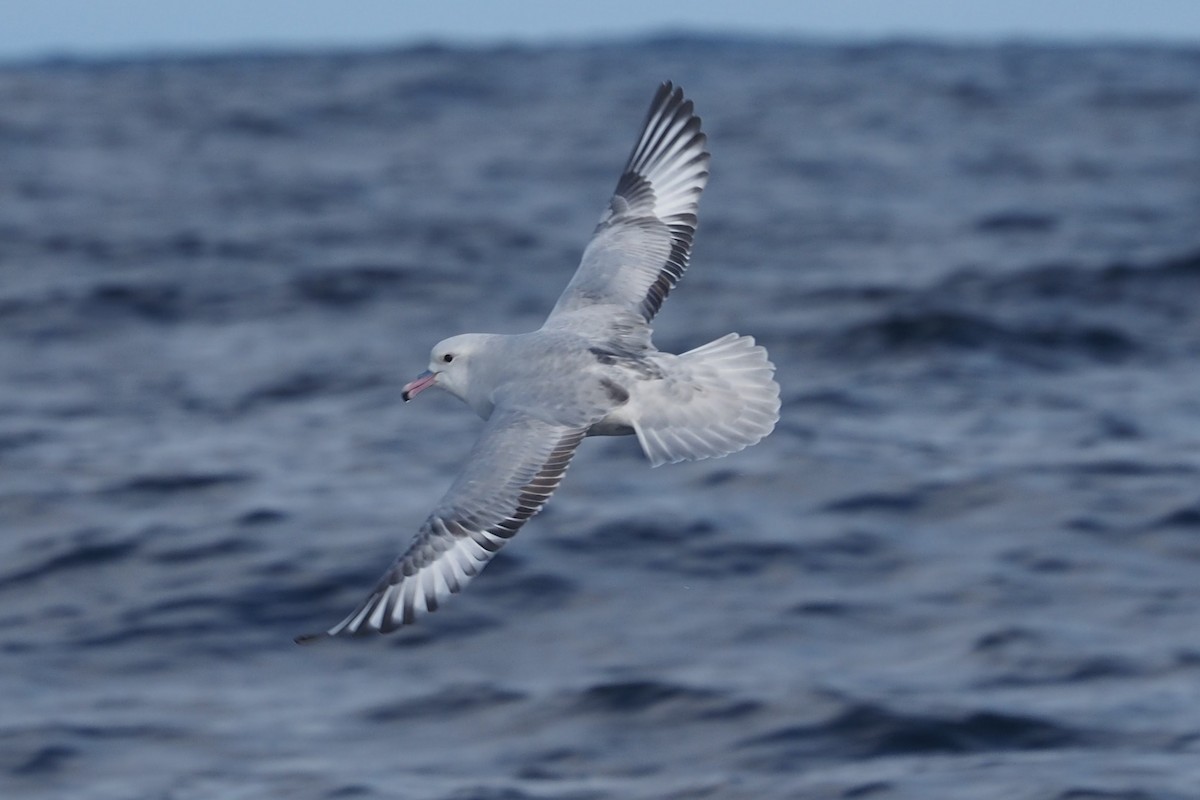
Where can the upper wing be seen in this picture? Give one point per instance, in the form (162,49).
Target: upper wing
(513,469)
(640,248)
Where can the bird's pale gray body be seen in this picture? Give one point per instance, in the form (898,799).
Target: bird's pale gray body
(591,369)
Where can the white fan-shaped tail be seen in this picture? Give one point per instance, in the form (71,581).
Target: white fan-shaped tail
(718,399)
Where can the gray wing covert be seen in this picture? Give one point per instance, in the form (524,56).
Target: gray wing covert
(640,248)
(511,472)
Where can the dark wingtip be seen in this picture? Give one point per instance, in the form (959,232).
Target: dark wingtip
(668,93)
(309,638)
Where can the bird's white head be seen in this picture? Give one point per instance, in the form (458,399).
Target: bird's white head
(449,367)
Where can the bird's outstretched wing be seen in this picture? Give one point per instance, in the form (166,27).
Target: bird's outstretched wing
(513,469)
(640,248)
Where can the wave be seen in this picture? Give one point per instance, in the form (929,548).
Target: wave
(869,730)
(1046,316)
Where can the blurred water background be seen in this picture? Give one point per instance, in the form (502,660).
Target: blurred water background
(966,565)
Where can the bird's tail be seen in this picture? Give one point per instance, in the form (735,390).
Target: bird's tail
(725,399)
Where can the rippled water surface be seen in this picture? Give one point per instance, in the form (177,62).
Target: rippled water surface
(966,565)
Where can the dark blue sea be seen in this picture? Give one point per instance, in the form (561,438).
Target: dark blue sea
(965,566)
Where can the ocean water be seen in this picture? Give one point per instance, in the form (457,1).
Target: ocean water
(966,565)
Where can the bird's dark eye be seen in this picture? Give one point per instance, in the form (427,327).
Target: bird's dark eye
(448,357)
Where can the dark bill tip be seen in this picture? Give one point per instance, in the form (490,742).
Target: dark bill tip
(417,385)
